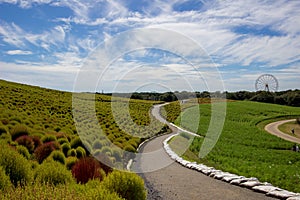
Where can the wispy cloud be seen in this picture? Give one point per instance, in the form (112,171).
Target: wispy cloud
(18,52)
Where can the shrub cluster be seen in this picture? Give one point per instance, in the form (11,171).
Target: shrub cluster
(43,151)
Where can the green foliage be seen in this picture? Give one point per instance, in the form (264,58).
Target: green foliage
(58,156)
(65,147)
(48,138)
(23,151)
(4,180)
(72,152)
(80,152)
(76,142)
(128,185)
(62,140)
(53,173)
(19,130)
(70,161)
(2,130)
(15,165)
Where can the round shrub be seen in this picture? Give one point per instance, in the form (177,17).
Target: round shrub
(2,130)
(37,141)
(4,180)
(23,151)
(70,161)
(62,140)
(26,141)
(80,152)
(43,151)
(76,142)
(127,185)
(48,138)
(65,147)
(54,173)
(19,130)
(15,165)
(72,152)
(85,169)
(129,148)
(58,156)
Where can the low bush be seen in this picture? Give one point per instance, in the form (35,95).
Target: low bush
(105,162)
(15,165)
(85,169)
(72,152)
(76,142)
(65,147)
(54,173)
(23,151)
(2,130)
(19,130)
(37,141)
(26,141)
(127,185)
(4,180)
(70,161)
(48,138)
(62,140)
(43,151)
(58,156)
(80,152)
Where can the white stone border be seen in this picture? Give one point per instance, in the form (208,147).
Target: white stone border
(251,183)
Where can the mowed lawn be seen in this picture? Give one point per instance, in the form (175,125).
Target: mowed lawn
(244,147)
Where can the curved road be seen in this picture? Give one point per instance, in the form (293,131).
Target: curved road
(273,129)
(167,180)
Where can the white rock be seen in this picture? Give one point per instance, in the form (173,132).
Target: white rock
(283,194)
(294,198)
(265,188)
(250,184)
(231,177)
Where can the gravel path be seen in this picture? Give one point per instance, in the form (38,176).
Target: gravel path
(167,180)
(273,129)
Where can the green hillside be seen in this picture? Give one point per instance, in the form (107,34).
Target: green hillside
(38,128)
(244,147)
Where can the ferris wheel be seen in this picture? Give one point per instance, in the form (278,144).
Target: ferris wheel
(266,82)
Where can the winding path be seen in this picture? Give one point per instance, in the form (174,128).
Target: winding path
(173,181)
(273,129)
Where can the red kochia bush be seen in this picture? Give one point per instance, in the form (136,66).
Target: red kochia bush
(26,141)
(85,169)
(43,151)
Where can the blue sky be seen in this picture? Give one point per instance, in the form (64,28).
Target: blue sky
(47,43)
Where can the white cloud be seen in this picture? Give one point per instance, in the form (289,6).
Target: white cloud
(18,52)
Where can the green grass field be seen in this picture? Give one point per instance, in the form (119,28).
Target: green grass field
(244,147)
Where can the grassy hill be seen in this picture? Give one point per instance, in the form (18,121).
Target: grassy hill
(37,127)
(244,147)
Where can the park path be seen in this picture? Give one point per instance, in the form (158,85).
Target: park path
(168,180)
(273,129)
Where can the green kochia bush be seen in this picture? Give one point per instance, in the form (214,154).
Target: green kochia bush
(58,156)
(4,180)
(128,185)
(23,151)
(53,172)
(18,131)
(15,165)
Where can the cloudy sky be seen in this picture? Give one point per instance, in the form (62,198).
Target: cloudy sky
(48,43)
